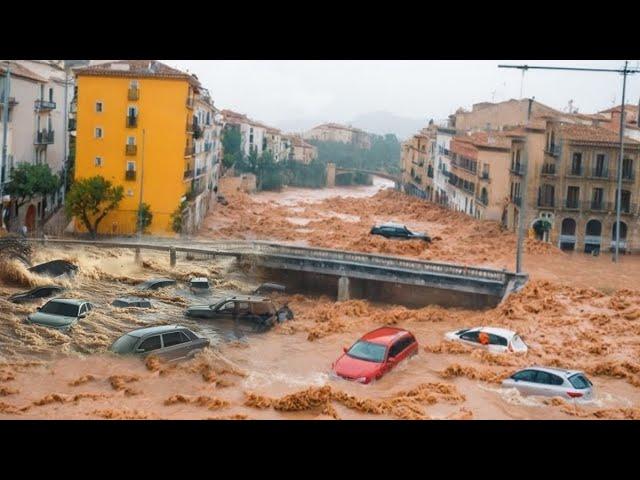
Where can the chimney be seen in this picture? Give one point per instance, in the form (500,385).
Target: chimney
(529,110)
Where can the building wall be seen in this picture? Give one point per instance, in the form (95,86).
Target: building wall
(162,113)
(497,115)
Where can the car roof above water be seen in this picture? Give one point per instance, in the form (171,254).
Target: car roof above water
(503,332)
(384,335)
(69,301)
(556,371)
(246,298)
(156,329)
(392,225)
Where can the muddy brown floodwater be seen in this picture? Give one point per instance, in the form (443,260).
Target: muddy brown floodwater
(576,312)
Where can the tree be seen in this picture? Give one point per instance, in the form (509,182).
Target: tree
(145,217)
(269,173)
(231,145)
(176,217)
(91,199)
(27,181)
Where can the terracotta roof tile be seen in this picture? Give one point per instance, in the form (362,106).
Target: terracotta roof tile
(137,68)
(591,134)
(18,70)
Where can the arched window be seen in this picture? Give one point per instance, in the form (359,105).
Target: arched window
(594,228)
(484,196)
(568,226)
(623,231)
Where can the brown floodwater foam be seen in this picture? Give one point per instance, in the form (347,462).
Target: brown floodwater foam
(576,312)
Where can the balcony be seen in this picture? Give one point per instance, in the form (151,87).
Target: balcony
(600,173)
(517,201)
(133,94)
(549,169)
(200,171)
(483,201)
(594,205)
(575,171)
(518,169)
(132,121)
(12,102)
(571,204)
(188,174)
(189,150)
(197,131)
(130,149)
(484,176)
(130,175)
(564,238)
(628,176)
(553,150)
(73,123)
(44,105)
(430,172)
(189,103)
(592,239)
(44,137)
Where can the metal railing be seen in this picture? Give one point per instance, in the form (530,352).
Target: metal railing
(549,169)
(130,149)
(484,176)
(130,174)
(575,171)
(132,121)
(553,150)
(546,202)
(133,93)
(599,173)
(257,248)
(517,201)
(187,174)
(518,169)
(571,204)
(593,239)
(42,104)
(567,238)
(44,137)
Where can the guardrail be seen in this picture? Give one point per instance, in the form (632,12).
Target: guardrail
(239,248)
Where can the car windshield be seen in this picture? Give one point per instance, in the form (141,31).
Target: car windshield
(579,381)
(124,344)
(371,352)
(60,308)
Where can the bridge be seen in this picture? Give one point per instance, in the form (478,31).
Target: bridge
(333,172)
(377,277)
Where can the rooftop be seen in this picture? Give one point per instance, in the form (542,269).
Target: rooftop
(591,134)
(137,68)
(157,329)
(384,335)
(492,139)
(21,71)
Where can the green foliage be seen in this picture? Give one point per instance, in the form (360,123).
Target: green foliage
(145,217)
(384,154)
(91,199)
(176,217)
(27,181)
(313,175)
(269,173)
(231,145)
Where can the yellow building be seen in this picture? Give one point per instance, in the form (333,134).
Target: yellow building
(135,128)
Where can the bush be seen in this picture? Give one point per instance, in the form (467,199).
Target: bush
(145,217)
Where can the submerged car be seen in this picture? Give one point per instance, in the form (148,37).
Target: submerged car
(199,283)
(60,313)
(497,340)
(375,354)
(156,283)
(55,268)
(259,312)
(36,294)
(551,382)
(268,288)
(127,302)
(169,342)
(396,230)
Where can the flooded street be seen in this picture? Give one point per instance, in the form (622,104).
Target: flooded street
(576,312)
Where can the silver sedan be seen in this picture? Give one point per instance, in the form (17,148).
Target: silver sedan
(551,382)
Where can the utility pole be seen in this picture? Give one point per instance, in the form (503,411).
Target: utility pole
(65,126)
(5,121)
(141,189)
(625,71)
(522,217)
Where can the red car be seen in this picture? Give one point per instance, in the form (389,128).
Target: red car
(375,354)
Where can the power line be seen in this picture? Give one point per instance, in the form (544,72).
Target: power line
(624,71)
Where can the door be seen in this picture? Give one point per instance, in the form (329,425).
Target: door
(225,311)
(524,382)
(149,345)
(497,343)
(397,351)
(175,345)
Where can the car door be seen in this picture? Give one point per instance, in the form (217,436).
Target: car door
(545,384)
(149,345)
(524,382)
(396,352)
(174,345)
(224,311)
(497,343)
(470,338)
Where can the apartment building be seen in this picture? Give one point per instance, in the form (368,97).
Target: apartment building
(253,133)
(302,151)
(494,116)
(277,144)
(417,165)
(35,129)
(572,185)
(442,163)
(135,124)
(334,132)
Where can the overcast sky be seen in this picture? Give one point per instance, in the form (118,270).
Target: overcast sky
(282,92)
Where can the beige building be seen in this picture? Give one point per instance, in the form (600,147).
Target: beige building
(302,151)
(334,132)
(417,165)
(572,184)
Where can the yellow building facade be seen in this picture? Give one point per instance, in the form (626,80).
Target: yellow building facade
(135,129)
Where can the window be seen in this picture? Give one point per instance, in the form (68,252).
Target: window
(579,381)
(150,344)
(497,340)
(173,338)
(243,307)
(600,167)
(627,168)
(131,140)
(132,111)
(227,307)
(133,84)
(470,336)
(573,195)
(51,94)
(99,132)
(525,376)
(98,161)
(597,197)
(99,107)
(131,166)
(576,164)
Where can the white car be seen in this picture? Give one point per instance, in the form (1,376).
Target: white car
(551,382)
(496,340)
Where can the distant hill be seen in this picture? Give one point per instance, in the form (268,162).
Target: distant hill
(385,122)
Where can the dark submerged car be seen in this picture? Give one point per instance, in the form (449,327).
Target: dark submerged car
(55,268)
(36,294)
(169,342)
(395,230)
(269,287)
(156,283)
(126,302)
(259,313)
